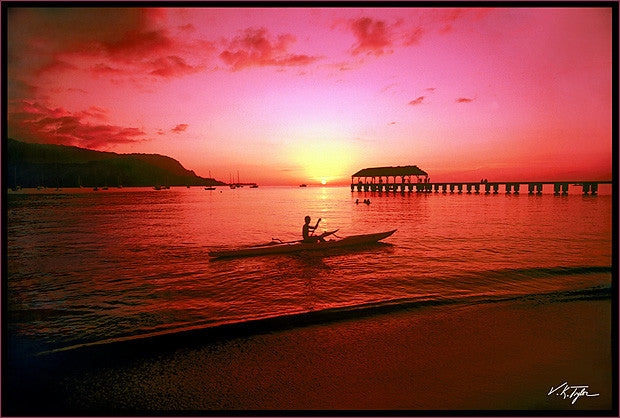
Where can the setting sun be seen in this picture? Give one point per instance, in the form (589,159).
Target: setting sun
(323,181)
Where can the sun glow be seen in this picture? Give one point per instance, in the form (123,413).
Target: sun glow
(324,160)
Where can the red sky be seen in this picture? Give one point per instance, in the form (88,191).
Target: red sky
(297,95)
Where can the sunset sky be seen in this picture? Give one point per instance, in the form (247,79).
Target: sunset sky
(295,95)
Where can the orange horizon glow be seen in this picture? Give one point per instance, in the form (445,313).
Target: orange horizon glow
(286,96)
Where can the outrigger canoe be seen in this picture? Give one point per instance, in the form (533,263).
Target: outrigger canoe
(290,247)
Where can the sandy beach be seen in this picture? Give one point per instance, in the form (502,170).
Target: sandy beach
(499,356)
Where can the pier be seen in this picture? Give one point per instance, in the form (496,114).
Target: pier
(413,179)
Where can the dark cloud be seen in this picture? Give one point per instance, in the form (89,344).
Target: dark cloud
(137,44)
(37,123)
(373,36)
(118,42)
(255,48)
(55,66)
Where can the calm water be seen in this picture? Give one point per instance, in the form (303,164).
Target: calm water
(97,266)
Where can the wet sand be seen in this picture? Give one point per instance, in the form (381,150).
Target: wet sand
(494,356)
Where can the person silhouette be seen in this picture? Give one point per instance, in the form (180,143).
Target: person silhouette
(307,231)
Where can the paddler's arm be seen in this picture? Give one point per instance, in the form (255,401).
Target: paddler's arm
(313,228)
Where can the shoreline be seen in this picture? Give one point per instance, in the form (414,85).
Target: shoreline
(494,356)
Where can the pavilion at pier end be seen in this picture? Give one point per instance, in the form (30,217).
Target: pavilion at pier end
(387,178)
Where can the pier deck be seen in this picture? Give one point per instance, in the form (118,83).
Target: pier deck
(532,187)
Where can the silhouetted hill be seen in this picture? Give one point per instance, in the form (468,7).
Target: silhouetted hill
(32,165)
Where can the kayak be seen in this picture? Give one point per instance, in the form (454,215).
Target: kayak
(289,247)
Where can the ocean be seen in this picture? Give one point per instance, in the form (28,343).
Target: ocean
(93,268)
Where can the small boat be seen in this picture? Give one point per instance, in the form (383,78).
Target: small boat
(276,247)
(303,185)
(210,188)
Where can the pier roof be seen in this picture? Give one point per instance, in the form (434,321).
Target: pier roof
(408,170)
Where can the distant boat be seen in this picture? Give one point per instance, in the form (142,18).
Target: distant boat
(254,186)
(157,187)
(96,188)
(232,186)
(303,185)
(210,188)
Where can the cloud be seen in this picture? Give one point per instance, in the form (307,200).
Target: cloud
(180,128)
(255,48)
(55,65)
(379,37)
(464,100)
(172,66)
(123,43)
(187,27)
(105,70)
(417,101)
(373,36)
(38,123)
(94,112)
(413,36)
(137,44)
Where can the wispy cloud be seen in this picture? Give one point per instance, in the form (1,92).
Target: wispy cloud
(413,36)
(464,100)
(417,101)
(180,128)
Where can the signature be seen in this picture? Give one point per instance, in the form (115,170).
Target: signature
(571,392)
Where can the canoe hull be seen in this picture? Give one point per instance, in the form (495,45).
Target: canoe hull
(301,246)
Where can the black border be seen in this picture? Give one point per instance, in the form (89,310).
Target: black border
(333,4)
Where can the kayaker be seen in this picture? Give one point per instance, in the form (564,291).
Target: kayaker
(307,228)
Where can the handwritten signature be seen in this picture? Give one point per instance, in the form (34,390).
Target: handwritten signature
(571,392)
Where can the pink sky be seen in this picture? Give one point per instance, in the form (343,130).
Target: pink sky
(294,95)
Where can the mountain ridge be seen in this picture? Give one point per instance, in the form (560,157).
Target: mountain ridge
(50,165)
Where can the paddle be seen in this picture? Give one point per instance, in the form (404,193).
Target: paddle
(276,241)
(315,227)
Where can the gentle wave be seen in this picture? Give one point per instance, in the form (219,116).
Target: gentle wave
(536,272)
(250,326)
